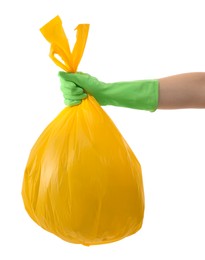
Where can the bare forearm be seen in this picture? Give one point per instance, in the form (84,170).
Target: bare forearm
(182,91)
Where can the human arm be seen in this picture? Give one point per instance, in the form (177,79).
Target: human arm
(185,90)
(174,92)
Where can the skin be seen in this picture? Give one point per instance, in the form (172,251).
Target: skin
(182,91)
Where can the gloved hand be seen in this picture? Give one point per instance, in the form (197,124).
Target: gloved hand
(139,94)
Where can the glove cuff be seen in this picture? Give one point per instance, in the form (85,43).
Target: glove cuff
(139,94)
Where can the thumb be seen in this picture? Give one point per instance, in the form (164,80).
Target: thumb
(78,78)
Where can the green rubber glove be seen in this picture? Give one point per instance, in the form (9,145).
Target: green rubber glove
(139,94)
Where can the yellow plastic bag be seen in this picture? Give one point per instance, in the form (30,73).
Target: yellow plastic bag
(82,181)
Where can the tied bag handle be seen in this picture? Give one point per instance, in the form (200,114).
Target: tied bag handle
(55,35)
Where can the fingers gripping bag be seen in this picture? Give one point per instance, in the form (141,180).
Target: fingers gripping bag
(82,182)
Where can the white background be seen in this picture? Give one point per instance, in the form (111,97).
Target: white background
(128,40)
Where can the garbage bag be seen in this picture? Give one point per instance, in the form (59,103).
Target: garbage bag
(82,182)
